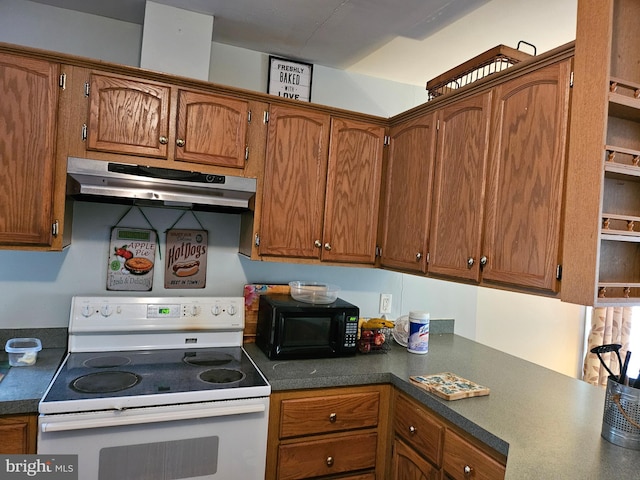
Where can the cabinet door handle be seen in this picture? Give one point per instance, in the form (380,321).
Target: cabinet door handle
(163,140)
(317,243)
(329,461)
(412,430)
(470,262)
(333,417)
(483,260)
(418,256)
(327,246)
(467,471)
(180,142)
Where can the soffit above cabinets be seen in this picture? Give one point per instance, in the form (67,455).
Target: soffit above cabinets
(333,33)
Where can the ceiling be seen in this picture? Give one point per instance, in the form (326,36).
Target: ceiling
(333,33)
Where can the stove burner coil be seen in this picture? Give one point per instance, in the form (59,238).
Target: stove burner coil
(105,382)
(221,375)
(207,359)
(109,361)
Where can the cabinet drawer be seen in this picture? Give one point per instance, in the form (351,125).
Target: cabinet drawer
(462,460)
(419,429)
(333,413)
(327,457)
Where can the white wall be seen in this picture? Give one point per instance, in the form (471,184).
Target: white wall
(542,330)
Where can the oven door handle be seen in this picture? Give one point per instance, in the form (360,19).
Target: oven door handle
(114,420)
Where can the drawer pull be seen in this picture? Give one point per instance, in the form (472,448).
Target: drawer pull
(412,430)
(329,461)
(467,470)
(333,417)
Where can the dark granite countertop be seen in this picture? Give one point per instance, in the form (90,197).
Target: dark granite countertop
(547,423)
(22,387)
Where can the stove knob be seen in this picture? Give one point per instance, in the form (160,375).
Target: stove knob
(232,309)
(106,310)
(195,310)
(87,311)
(216,310)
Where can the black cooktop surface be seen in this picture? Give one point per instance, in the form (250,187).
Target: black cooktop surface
(90,375)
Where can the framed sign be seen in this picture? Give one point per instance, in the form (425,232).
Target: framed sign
(290,79)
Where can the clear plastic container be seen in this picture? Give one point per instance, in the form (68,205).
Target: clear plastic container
(313,292)
(23,352)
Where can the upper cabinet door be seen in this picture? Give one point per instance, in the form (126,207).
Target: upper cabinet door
(128,116)
(408,194)
(353,192)
(525,182)
(459,183)
(295,179)
(211,129)
(28,109)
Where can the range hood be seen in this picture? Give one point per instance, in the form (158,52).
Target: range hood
(95,180)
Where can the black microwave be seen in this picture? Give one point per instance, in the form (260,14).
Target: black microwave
(289,329)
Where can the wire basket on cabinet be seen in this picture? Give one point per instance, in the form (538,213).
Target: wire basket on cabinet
(494,60)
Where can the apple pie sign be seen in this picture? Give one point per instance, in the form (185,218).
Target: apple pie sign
(290,79)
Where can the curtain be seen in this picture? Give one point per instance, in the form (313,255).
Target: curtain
(608,325)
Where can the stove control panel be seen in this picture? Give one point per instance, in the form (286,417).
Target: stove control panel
(151,313)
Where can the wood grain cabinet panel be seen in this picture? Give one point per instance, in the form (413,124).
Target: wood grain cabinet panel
(128,116)
(419,429)
(525,180)
(315,458)
(294,183)
(211,129)
(407,464)
(462,460)
(28,112)
(459,188)
(409,177)
(334,413)
(18,434)
(353,192)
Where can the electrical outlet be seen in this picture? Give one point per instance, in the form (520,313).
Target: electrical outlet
(385,303)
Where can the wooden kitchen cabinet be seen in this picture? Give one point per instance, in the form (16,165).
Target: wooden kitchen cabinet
(18,434)
(523,205)
(321,187)
(459,187)
(463,460)
(32,191)
(409,176)
(407,464)
(602,233)
(353,192)
(138,117)
(295,179)
(329,433)
(427,447)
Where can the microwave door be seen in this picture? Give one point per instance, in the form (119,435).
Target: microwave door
(306,335)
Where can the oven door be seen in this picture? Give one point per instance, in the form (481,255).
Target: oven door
(212,440)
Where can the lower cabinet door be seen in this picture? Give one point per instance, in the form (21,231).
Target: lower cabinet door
(330,456)
(407,464)
(462,460)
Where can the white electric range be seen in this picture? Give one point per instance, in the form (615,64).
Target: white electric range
(157,388)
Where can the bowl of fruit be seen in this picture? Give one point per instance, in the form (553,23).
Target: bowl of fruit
(374,335)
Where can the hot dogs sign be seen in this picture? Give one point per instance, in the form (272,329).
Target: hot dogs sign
(186,259)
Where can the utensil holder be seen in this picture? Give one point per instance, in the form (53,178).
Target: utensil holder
(621,418)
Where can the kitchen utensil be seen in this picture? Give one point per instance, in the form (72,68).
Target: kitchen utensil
(625,366)
(610,347)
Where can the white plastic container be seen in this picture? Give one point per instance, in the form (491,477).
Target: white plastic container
(23,352)
(418,341)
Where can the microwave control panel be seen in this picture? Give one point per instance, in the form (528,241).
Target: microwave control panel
(350,331)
